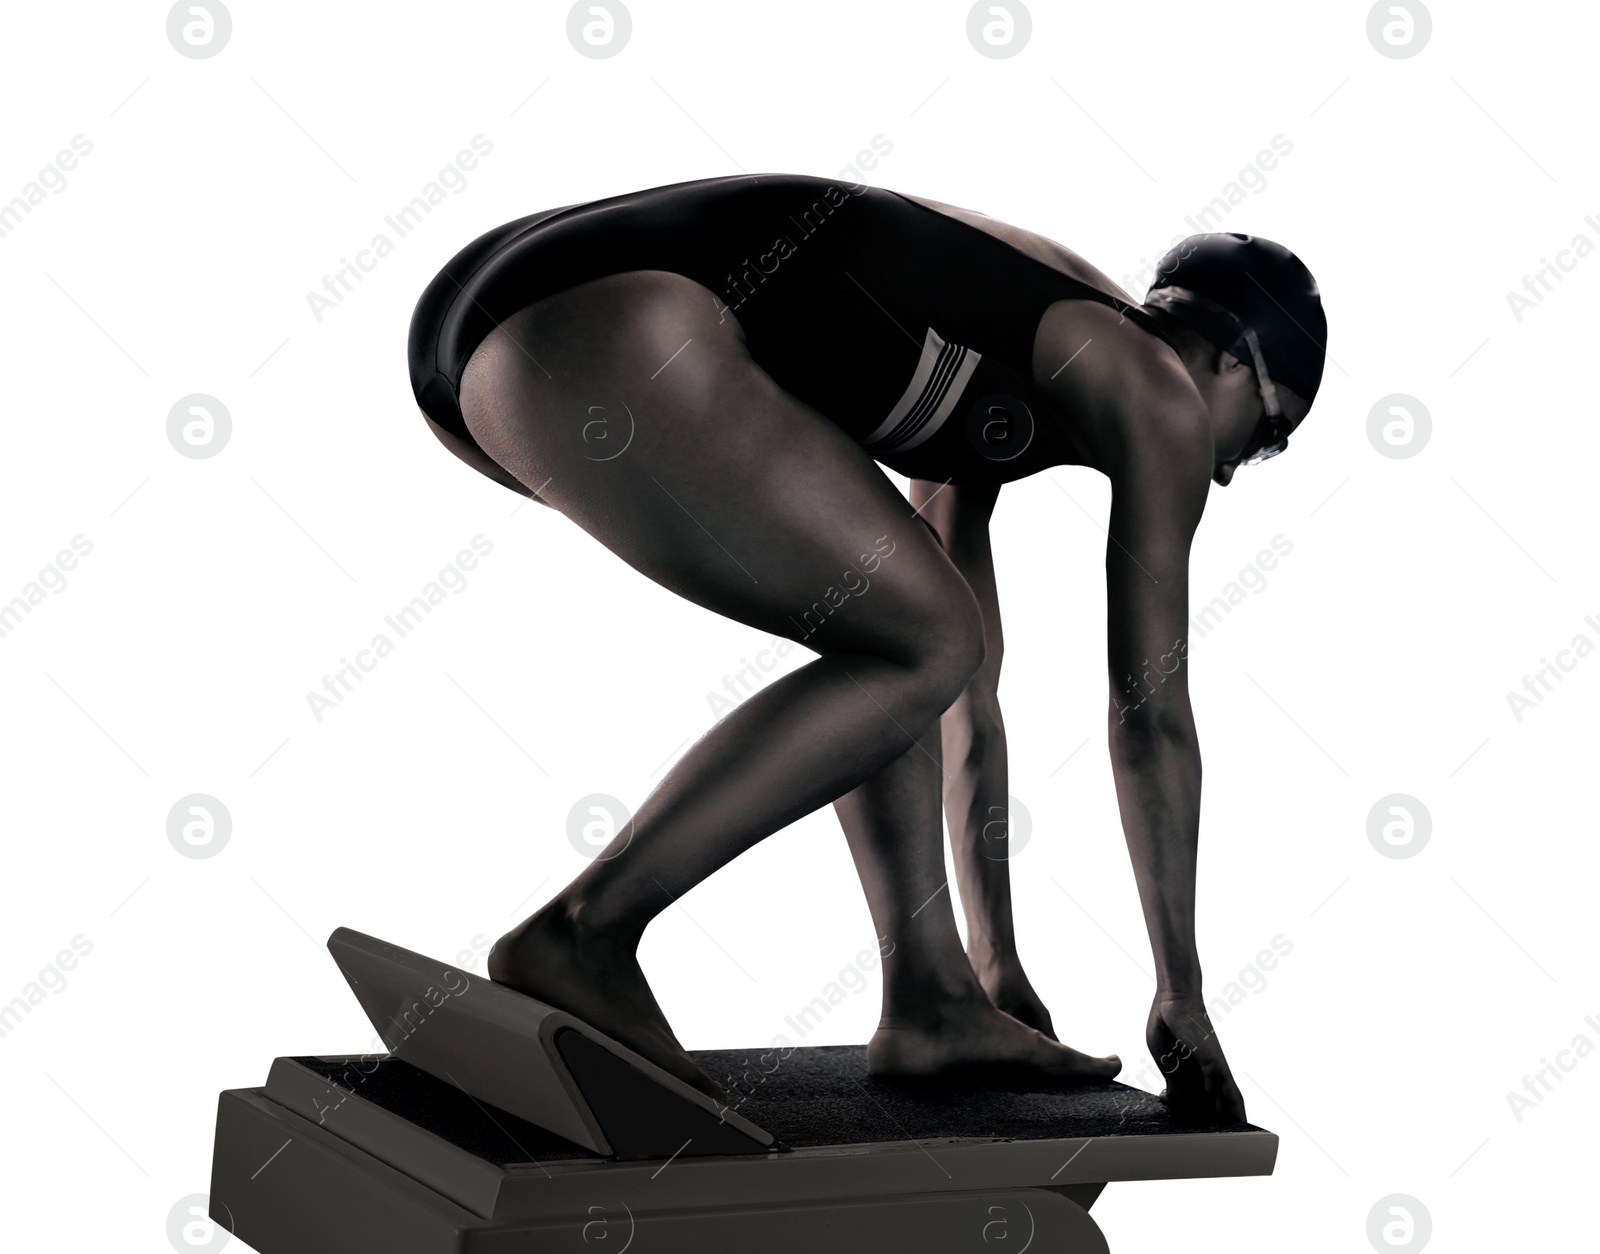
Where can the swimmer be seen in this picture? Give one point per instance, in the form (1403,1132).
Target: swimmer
(709,378)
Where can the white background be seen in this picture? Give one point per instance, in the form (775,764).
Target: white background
(430,807)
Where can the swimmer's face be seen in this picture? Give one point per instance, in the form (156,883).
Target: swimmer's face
(1237,410)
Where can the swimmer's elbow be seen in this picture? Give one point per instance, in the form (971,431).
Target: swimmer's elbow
(1153,711)
(1152,733)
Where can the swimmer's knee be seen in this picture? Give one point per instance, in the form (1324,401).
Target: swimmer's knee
(947,646)
(961,637)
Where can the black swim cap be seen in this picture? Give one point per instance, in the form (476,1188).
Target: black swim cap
(1223,284)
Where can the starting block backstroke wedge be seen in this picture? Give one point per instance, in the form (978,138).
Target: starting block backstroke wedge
(496,1124)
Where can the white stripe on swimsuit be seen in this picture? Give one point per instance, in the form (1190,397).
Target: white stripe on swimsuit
(941,376)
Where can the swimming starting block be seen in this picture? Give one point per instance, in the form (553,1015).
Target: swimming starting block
(496,1124)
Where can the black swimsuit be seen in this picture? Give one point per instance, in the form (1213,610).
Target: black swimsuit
(911,330)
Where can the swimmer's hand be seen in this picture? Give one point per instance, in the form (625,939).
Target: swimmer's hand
(1200,1087)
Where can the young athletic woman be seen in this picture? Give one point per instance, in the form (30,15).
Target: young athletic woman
(705,378)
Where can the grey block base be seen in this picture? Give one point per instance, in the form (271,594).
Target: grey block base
(308,1165)
(323,1196)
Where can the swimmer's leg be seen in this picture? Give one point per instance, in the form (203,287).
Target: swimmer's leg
(937,1018)
(976,783)
(480,461)
(720,486)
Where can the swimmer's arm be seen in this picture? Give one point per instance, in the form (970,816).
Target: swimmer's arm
(481,461)
(1159,488)
(973,735)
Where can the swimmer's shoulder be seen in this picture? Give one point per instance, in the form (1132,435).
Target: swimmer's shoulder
(1123,389)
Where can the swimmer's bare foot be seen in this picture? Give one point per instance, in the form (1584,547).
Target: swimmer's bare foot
(1011,992)
(970,1038)
(556,960)
(1200,1087)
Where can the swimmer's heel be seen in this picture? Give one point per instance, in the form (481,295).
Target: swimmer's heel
(510,1050)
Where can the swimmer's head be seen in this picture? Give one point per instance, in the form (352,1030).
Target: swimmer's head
(1252,333)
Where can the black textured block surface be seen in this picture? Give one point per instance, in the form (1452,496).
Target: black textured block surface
(813,1096)
(822,1095)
